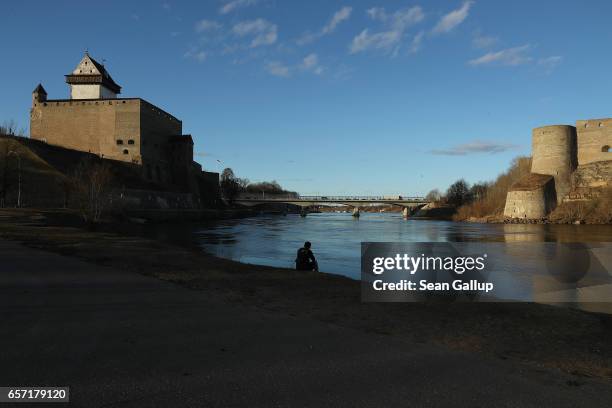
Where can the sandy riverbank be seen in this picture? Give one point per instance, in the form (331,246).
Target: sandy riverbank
(569,340)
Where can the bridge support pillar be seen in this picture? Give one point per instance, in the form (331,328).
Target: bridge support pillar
(356,212)
(406,212)
(304,212)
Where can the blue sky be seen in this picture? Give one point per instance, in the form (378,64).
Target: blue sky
(331,97)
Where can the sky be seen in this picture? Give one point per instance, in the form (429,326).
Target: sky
(365,97)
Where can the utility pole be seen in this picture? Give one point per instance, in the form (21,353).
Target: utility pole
(18,176)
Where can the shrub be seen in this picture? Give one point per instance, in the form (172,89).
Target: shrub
(492,196)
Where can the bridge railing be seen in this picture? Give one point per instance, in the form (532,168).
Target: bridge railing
(335,198)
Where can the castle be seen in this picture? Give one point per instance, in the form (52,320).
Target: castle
(131,130)
(567,163)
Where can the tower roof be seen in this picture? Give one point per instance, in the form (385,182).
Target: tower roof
(90,71)
(39,89)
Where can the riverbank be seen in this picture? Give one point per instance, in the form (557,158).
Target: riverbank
(561,339)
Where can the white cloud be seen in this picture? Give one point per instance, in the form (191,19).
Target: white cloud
(339,16)
(311,63)
(383,40)
(389,39)
(417,42)
(451,20)
(377,13)
(196,54)
(477,146)
(235,4)
(550,63)
(277,68)
(483,41)
(263,32)
(207,25)
(509,56)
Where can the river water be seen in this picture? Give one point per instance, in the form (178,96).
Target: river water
(336,241)
(336,237)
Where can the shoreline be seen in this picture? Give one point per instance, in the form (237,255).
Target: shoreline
(563,339)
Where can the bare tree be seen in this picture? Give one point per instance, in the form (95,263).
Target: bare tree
(230,187)
(479,190)
(90,188)
(434,195)
(9,161)
(11,128)
(8,169)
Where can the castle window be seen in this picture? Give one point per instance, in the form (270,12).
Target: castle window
(119,141)
(125,151)
(131,142)
(605,149)
(600,124)
(586,125)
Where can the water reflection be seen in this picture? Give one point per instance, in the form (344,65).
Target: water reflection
(336,238)
(520,269)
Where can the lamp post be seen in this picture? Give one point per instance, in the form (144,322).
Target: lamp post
(18,176)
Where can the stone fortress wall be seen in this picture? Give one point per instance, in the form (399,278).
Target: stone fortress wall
(559,154)
(594,140)
(554,153)
(128,130)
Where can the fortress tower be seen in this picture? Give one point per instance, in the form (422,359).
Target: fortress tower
(90,80)
(94,120)
(594,140)
(39,94)
(554,153)
(564,159)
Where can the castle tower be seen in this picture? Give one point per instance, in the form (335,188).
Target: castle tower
(90,80)
(39,94)
(554,153)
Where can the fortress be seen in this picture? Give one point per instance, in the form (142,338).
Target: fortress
(96,121)
(568,163)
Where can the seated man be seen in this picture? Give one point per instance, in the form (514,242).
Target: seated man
(305,260)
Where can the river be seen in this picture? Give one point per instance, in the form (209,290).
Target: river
(336,238)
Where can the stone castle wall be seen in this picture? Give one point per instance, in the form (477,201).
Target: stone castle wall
(594,140)
(554,154)
(578,158)
(533,197)
(128,130)
(92,126)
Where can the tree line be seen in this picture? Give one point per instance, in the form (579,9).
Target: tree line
(231,186)
(483,198)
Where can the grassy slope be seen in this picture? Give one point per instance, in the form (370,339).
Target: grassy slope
(39,180)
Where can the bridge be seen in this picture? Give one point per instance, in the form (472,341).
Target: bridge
(409,204)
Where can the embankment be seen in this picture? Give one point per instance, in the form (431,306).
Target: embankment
(570,340)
